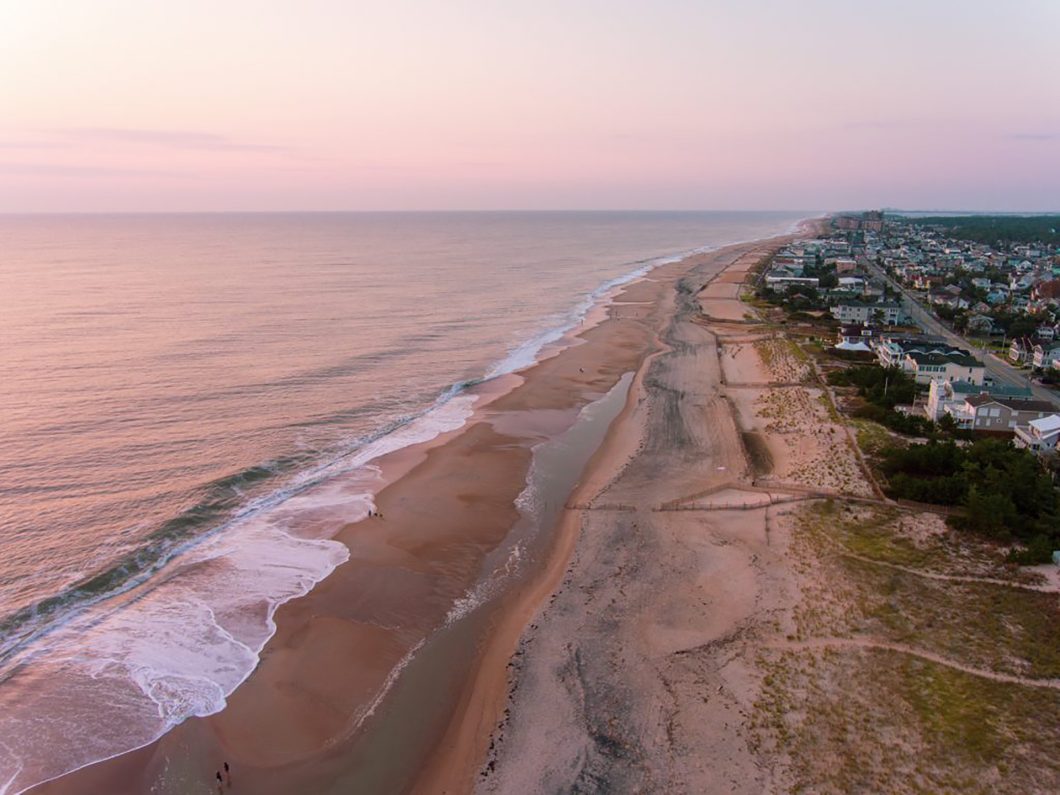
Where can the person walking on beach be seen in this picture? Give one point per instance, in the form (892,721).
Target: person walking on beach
(220,782)
(228,775)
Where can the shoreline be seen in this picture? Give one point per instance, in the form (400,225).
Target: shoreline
(473,733)
(543,412)
(589,685)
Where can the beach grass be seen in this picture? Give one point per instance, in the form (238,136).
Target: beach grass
(871,436)
(882,721)
(862,710)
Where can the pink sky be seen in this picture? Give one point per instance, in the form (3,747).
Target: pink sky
(238,105)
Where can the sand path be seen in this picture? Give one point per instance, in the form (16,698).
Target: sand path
(1047,588)
(873,644)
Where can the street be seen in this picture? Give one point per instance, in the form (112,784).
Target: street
(996,368)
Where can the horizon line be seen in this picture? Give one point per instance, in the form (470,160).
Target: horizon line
(437,211)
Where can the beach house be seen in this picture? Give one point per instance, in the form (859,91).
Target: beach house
(998,415)
(1045,353)
(926,367)
(948,397)
(1039,435)
(784,281)
(886,312)
(979,324)
(1021,349)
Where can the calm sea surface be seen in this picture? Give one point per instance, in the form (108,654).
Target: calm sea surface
(177,391)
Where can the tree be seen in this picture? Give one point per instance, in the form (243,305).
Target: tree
(990,513)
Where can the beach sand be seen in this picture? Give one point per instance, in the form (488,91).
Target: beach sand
(623,683)
(323,711)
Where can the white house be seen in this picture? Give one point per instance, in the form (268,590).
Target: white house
(784,282)
(1039,435)
(1045,354)
(858,312)
(928,367)
(853,283)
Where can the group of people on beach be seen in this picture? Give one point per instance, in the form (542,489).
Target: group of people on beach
(226,780)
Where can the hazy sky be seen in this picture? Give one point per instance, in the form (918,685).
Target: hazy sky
(351,104)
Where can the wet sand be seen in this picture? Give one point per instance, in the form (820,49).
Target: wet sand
(323,711)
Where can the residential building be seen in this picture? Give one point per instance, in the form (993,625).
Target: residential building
(858,332)
(928,367)
(1039,435)
(784,283)
(1021,349)
(889,313)
(947,397)
(853,283)
(990,414)
(1045,353)
(980,324)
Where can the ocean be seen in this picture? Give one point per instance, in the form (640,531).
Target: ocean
(190,406)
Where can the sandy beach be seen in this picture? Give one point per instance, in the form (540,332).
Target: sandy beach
(324,711)
(619,682)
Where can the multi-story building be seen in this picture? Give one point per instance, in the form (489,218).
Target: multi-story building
(948,397)
(785,282)
(928,367)
(1040,435)
(999,415)
(1045,353)
(886,312)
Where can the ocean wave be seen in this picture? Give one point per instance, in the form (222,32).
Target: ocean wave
(223,508)
(175,641)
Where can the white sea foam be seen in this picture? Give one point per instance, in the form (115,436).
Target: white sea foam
(176,647)
(525,354)
(388,683)
(487,588)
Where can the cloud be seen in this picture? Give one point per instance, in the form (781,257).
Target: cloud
(32,145)
(873,125)
(172,139)
(61,170)
(1036,136)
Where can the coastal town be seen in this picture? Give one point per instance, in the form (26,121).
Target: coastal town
(886,285)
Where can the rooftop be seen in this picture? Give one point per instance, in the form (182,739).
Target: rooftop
(1047,425)
(954,357)
(1010,403)
(997,390)
(872,304)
